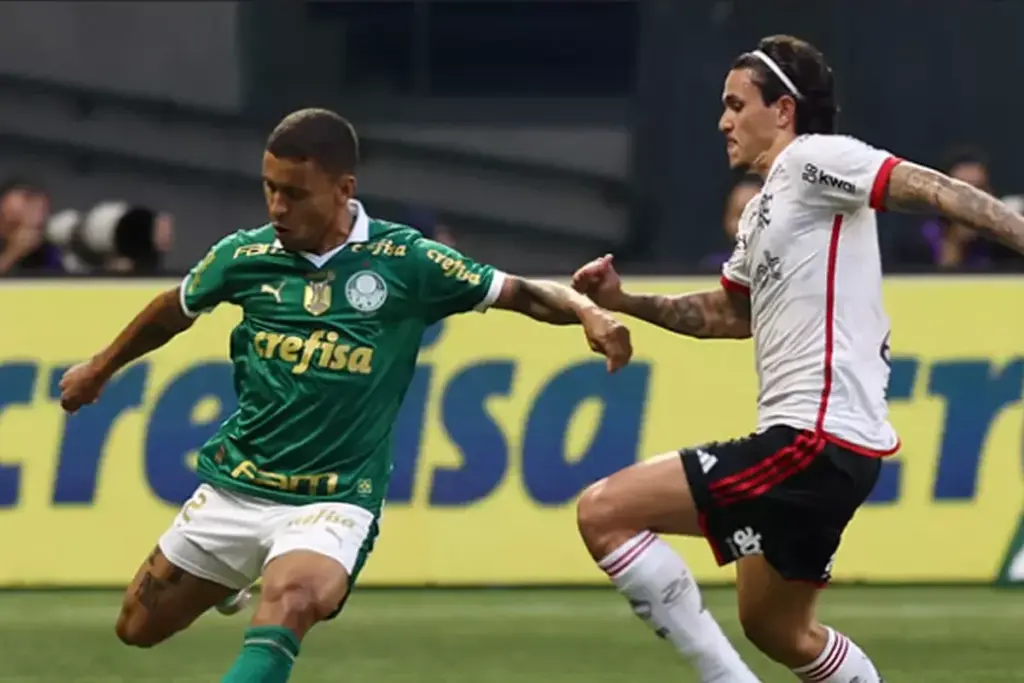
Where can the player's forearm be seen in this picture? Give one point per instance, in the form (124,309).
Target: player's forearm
(154,326)
(10,256)
(704,315)
(543,300)
(8,259)
(915,189)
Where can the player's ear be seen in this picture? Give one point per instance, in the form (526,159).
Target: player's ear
(345,188)
(785,108)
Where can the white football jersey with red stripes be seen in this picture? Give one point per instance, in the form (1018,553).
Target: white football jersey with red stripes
(807,254)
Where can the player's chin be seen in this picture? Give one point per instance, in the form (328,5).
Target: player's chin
(737,162)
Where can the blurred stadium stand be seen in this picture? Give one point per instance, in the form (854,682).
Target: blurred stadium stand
(544,133)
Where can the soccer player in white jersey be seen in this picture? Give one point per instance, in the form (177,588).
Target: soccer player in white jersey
(805,283)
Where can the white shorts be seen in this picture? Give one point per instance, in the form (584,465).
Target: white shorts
(228,538)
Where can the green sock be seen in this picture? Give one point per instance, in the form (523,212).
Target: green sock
(268,653)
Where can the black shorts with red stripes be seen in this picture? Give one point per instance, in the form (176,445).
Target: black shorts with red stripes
(785,493)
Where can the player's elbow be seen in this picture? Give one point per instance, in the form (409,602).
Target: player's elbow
(741,330)
(727,327)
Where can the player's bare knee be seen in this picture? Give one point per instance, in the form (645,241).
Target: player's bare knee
(296,604)
(588,510)
(600,520)
(779,637)
(134,628)
(595,514)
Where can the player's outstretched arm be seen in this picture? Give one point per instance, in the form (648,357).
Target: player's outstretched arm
(716,314)
(159,322)
(154,326)
(916,189)
(557,304)
(543,300)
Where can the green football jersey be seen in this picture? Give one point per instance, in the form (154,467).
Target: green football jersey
(324,354)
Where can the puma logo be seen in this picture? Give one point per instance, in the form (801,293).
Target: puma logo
(276,293)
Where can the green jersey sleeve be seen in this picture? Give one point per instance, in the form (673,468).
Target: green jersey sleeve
(208,283)
(451,283)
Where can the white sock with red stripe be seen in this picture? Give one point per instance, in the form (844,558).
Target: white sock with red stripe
(663,593)
(840,662)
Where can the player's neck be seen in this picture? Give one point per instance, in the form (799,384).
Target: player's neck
(338,234)
(764,162)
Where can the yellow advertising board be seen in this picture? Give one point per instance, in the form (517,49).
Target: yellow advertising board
(505,423)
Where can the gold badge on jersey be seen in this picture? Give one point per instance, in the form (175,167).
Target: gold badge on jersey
(317,296)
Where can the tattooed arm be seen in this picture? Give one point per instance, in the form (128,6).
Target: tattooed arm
(548,302)
(716,314)
(558,304)
(916,189)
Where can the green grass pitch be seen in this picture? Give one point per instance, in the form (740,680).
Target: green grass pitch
(919,635)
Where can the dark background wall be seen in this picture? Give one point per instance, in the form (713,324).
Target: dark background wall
(544,132)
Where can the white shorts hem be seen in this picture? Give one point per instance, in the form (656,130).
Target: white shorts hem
(179,559)
(281,552)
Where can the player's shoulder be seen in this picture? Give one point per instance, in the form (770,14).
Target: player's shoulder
(248,247)
(264,234)
(824,149)
(384,235)
(382,229)
(395,241)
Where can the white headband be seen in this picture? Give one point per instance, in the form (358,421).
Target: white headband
(777,70)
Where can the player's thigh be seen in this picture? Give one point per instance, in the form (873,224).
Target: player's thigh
(651,495)
(211,550)
(316,553)
(785,542)
(220,536)
(163,599)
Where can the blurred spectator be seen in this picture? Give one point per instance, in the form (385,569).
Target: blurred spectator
(426,222)
(951,246)
(113,237)
(745,189)
(24,210)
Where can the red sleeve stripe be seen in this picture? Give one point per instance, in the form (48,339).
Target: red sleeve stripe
(734,286)
(878,188)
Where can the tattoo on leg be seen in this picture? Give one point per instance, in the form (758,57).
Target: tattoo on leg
(152,588)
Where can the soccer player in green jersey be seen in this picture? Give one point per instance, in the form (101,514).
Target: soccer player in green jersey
(334,305)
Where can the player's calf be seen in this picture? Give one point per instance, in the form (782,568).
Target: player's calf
(617,518)
(778,617)
(815,653)
(300,589)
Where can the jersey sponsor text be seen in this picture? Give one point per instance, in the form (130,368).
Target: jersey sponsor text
(321,349)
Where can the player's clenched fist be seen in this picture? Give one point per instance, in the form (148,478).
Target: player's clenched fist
(607,336)
(599,281)
(81,385)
